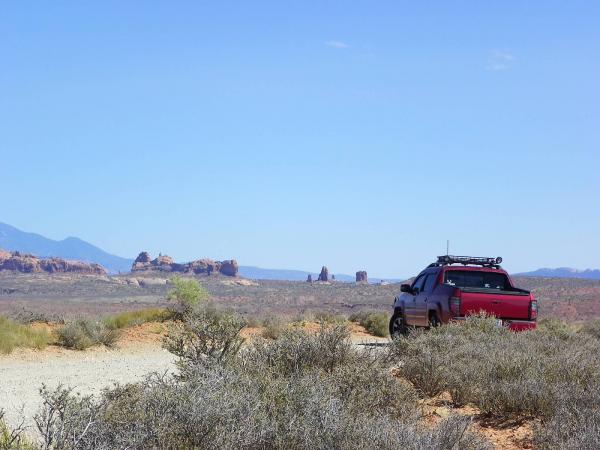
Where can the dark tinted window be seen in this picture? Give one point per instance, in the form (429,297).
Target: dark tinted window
(418,284)
(430,282)
(474,279)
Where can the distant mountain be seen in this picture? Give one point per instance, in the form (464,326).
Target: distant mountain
(258,273)
(13,239)
(74,248)
(563,272)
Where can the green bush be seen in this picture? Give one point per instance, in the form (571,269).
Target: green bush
(187,294)
(85,333)
(13,335)
(375,323)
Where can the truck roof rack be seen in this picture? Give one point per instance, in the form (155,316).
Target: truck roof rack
(447,260)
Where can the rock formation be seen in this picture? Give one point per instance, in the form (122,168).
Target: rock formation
(26,263)
(361,276)
(324,275)
(229,267)
(309,278)
(165,263)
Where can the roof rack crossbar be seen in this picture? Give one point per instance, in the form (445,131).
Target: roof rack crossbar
(446,260)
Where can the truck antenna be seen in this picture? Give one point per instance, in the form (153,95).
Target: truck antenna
(447,247)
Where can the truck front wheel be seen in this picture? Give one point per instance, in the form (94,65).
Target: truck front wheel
(397,325)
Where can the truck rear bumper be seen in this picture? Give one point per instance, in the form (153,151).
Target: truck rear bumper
(514,325)
(520,325)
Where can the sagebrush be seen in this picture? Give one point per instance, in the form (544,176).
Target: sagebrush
(300,391)
(551,374)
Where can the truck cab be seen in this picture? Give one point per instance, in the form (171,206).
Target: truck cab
(457,286)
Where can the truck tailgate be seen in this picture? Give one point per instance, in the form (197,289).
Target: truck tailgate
(504,305)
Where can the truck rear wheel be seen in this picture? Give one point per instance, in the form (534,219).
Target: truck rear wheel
(434,321)
(397,325)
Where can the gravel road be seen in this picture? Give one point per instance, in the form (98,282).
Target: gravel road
(23,373)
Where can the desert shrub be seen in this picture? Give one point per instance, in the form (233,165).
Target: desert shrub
(64,419)
(71,335)
(273,328)
(328,318)
(84,333)
(298,392)
(187,294)
(13,438)
(358,317)
(556,328)
(27,316)
(575,422)
(13,335)
(377,324)
(592,328)
(205,336)
(507,375)
(138,317)
(296,351)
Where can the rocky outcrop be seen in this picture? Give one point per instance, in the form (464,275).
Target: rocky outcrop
(165,263)
(324,275)
(361,276)
(26,263)
(309,278)
(229,267)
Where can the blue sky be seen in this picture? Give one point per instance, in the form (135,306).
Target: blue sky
(360,135)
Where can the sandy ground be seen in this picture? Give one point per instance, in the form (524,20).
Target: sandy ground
(139,353)
(23,372)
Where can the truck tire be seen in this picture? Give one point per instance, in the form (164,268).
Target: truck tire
(434,321)
(397,325)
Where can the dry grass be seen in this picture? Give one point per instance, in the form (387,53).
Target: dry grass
(132,318)
(13,335)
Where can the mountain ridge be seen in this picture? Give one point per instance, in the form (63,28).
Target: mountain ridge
(562,272)
(72,248)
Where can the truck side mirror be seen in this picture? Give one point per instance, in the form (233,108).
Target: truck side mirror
(406,288)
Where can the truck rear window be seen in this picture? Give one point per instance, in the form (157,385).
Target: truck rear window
(473,279)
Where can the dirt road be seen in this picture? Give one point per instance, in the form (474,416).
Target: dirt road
(23,372)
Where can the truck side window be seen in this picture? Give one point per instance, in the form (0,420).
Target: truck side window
(418,285)
(430,282)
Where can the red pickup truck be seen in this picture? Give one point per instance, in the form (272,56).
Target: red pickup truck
(457,286)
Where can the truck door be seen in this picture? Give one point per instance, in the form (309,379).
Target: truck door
(424,297)
(410,304)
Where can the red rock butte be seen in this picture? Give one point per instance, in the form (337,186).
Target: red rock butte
(27,263)
(163,263)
